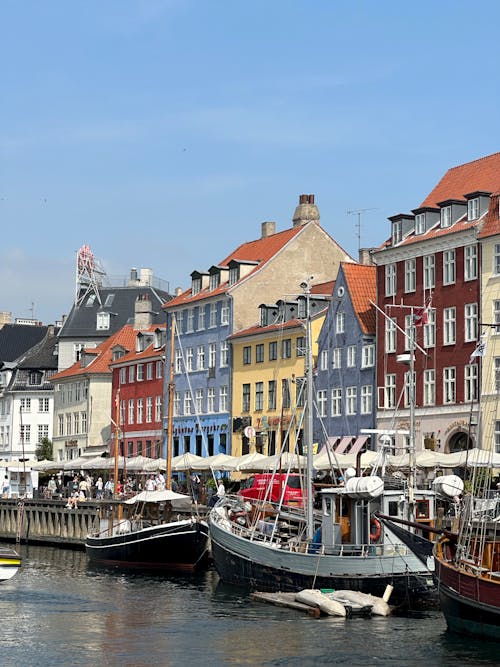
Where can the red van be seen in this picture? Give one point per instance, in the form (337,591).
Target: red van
(282,485)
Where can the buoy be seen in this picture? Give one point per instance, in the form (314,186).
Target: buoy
(387,593)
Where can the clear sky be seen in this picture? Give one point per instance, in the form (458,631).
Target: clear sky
(163,132)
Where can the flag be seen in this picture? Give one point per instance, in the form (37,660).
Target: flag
(421,315)
(480,350)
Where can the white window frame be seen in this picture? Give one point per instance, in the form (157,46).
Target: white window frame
(449,267)
(473,208)
(200,357)
(351,356)
(368,355)
(323,363)
(321,400)
(390,391)
(336,402)
(429,271)
(390,334)
(340,322)
(449,325)
(420,223)
(429,386)
(449,385)
(445,216)
(337,357)
(471,383)
(211,400)
(390,279)
(470,262)
(470,322)
(366,399)
(351,400)
(410,274)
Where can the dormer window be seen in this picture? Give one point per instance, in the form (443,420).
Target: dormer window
(196,286)
(214,280)
(102,321)
(35,378)
(446,216)
(397,232)
(117,354)
(234,274)
(263,317)
(473,209)
(420,223)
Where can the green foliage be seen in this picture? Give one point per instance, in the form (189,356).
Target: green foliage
(44,450)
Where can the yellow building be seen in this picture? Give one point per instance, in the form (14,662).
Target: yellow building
(268,392)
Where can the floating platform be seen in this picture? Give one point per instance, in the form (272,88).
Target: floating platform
(286,600)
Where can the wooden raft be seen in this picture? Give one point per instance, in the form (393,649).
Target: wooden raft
(286,600)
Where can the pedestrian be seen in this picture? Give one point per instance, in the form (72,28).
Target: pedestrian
(52,487)
(150,483)
(99,487)
(195,487)
(5,487)
(221,490)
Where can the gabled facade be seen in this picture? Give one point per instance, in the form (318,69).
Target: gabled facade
(432,260)
(137,388)
(223,300)
(268,390)
(26,398)
(345,383)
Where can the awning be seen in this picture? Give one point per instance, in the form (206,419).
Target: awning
(344,444)
(358,444)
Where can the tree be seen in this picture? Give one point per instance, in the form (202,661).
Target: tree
(44,450)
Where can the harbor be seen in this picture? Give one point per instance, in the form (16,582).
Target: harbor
(59,610)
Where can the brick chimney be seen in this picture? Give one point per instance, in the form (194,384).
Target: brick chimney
(306,211)
(268,229)
(365,256)
(143,316)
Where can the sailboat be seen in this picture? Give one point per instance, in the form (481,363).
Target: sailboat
(267,546)
(152,534)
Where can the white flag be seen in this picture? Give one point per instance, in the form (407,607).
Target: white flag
(480,350)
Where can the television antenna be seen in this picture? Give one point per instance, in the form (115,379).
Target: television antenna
(358,212)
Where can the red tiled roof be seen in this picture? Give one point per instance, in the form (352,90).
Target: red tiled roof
(260,251)
(323,288)
(491,225)
(480,175)
(103,355)
(361,283)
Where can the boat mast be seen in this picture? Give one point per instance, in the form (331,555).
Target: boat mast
(170,414)
(117,448)
(308,422)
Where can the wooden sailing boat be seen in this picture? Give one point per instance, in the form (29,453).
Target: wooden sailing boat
(272,547)
(152,536)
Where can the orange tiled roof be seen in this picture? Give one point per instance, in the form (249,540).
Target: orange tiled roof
(323,288)
(361,283)
(260,251)
(103,355)
(491,225)
(479,175)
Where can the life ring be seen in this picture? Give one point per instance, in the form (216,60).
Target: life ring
(375,529)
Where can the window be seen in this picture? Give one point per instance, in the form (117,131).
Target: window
(300,392)
(471,324)
(366,399)
(429,271)
(409,387)
(190,320)
(496,259)
(69,424)
(259,353)
(213,316)
(61,424)
(497,437)
(224,354)
(430,329)
(448,267)
(300,346)
(159,369)
(286,348)
(196,286)
(397,232)
(246,398)
(43,405)
(410,275)
(337,357)
(102,321)
(259,395)
(446,216)
(470,262)
(351,356)
(179,317)
(234,274)
(77,351)
(429,386)
(271,395)
(410,332)
(471,383)
(199,401)
(131,411)
(449,385)
(149,409)
(336,402)
(201,318)
(368,355)
(149,371)
(285,393)
(123,375)
(140,372)
(78,387)
(247,355)
(122,412)
(273,351)
(25,404)
(26,432)
(200,357)
(496,373)
(43,431)
(189,359)
(131,373)
(321,400)
(473,208)
(420,223)
(390,335)
(223,393)
(212,351)
(214,280)
(187,403)
(224,313)
(177,403)
(84,422)
(211,400)
(35,378)
(496,315)
(449,326)
(340,322)
(323,363)
(390,391)
(76,423)
(351,396)
(140,406)
(390,280)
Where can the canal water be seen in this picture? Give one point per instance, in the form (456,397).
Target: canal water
(60,611)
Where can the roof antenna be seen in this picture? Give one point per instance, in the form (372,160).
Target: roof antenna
(358,212)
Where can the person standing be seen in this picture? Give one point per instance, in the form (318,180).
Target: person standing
(52,487)
(99,486)
(6,487)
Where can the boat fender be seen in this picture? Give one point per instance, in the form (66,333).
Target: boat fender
(375,529)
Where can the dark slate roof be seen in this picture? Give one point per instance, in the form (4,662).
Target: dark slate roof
(16,339)
(81,321)
(42,356)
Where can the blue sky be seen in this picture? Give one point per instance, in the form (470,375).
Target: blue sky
(163,132)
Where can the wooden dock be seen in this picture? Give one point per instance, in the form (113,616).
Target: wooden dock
(286,600)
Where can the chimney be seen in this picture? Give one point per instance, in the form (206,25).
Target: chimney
(365,256)
(133,276)
(143,316)
(306,211)
(268,229)
(178,291)
(146,277)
